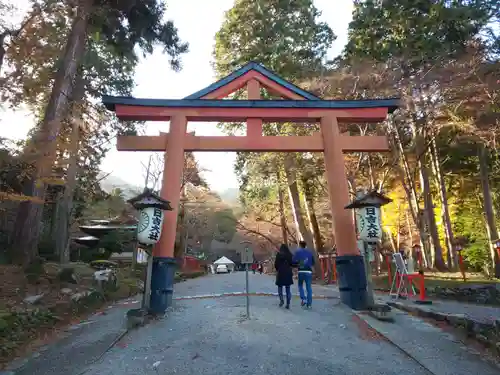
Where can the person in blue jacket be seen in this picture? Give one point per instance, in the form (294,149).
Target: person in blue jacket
(304,259)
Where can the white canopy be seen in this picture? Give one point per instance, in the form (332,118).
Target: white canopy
(223,260)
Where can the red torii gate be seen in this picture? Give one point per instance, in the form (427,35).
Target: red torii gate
(296,105)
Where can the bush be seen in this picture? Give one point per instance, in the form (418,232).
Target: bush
(15,327)
(89,255)
(117,241)
(68,275)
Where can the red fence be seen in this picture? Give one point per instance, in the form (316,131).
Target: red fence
(192,264)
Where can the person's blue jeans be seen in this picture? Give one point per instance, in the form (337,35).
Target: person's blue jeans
(288,293)
(306,277)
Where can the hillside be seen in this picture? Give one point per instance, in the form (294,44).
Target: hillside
(112,182)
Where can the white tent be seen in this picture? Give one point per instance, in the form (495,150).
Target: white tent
(225,261)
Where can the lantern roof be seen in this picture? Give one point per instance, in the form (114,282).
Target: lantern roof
(150,199)
(371,199)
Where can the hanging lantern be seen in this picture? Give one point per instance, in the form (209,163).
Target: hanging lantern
(367,207)
(151,208)
(150,224)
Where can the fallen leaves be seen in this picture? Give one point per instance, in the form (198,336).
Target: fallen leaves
(365,331)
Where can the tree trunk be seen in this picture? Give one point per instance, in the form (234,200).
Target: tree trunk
(371,172)
(3,36)
(489,213)
(411,193)
(421,137)
(298,216)
(313,220)
(293,192)
(28,221)
(430,217)
(283,223)
(183,224)
(66,207)
(452,260)
(55,218)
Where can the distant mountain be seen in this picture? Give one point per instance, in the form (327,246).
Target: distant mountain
(230,195)
(112,182)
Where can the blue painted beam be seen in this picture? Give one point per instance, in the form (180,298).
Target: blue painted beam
(111,101)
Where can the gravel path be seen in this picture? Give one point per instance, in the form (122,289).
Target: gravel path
(212,336)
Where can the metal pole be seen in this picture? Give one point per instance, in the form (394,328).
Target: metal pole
(369,280)
(147,283)
(247,292)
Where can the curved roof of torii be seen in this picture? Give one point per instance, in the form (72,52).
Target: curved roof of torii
(245,69)
(211,96)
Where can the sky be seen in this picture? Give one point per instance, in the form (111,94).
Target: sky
(197,22)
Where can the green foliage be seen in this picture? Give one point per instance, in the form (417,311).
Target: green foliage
(469,222)
(16,327)
(105,207)
(90,254)
(283,35)
(67,275)
(416,31)
(286,37)
(117,32)
(117,241)
(14,171)
(129,25)
(226,225)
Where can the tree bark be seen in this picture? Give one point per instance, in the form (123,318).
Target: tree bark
(293,191)
(183,224)
(421,136)
(489,213)
(313,220)
(430,217)
(3,36)
(281,201)
(66,207)
(452,260)
(28,221)
(411,193)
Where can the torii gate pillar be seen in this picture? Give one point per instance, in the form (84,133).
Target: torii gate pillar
(164,262)
(352,281)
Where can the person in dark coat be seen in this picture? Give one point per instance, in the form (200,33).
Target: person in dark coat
(284,274)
